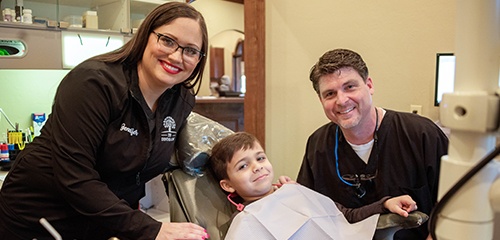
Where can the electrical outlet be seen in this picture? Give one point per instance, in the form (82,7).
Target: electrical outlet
(417,109)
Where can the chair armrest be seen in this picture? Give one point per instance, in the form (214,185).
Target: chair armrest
(388,224)
(414,219)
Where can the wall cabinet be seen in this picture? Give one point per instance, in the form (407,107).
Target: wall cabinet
(115,19)
(118,15)
(52,48)
(49,56)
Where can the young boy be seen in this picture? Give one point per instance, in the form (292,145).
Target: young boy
(241,166)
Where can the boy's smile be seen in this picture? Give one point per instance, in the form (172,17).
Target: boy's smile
(261,177)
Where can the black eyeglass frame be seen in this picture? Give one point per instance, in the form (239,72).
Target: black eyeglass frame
(201,53)
(357,178)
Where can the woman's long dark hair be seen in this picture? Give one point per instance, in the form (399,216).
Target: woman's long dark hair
(131,53)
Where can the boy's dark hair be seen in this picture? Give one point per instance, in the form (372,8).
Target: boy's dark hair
(223,151)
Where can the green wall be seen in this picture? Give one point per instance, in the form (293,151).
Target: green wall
(23,92)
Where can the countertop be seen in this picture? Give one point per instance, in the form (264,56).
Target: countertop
(210,99)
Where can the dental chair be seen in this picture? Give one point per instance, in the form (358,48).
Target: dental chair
(195,196)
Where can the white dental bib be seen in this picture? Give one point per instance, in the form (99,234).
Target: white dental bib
(296,212)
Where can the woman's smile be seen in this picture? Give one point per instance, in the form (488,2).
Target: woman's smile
(170,68)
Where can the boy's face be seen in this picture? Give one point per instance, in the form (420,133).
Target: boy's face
(250,174)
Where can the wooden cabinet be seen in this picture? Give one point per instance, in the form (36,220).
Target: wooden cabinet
(237,1)
(226,111)
(216,64)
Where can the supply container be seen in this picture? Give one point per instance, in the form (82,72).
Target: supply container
(39,120)
(19,10)
(27,17)
(90,20)
(7,15)
(4,152)
(74,20)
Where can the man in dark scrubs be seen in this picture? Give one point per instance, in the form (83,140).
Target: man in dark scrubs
(367,152)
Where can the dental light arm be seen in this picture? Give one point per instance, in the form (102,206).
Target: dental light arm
(494,191)
(471,112)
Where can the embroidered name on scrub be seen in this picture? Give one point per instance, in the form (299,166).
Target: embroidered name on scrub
(169,134)
(131,131)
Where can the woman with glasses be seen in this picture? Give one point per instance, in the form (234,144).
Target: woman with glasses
(113,127)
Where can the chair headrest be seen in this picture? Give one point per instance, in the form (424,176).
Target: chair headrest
(195,142)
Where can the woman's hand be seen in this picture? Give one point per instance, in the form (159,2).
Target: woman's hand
(171,231)
(401,205)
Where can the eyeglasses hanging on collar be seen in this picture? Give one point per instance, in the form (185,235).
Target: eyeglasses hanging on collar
(354,180)
(357,179)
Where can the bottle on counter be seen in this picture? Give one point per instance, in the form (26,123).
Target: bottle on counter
(90,20)
(27,17)
(4,152)
(7,15)
(19,10)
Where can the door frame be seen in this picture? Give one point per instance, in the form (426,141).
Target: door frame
(255,63)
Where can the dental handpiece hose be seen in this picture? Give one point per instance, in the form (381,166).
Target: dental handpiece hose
(6,117)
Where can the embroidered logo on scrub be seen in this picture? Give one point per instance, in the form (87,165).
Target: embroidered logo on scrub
(169,134)
(131,131)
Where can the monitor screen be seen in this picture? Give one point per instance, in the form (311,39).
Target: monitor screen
(445,75)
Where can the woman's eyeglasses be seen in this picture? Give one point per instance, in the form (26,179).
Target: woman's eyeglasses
(189,55)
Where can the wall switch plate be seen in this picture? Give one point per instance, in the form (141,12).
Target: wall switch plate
(417,109)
